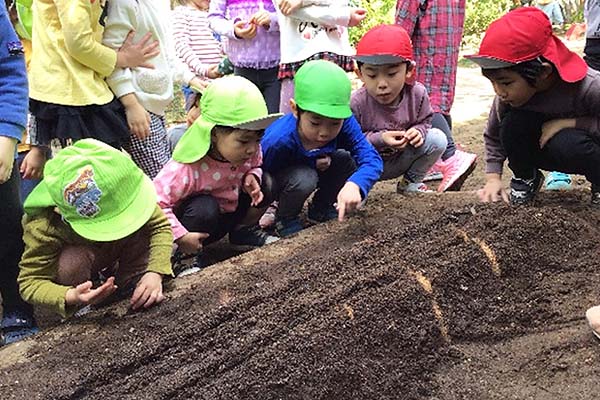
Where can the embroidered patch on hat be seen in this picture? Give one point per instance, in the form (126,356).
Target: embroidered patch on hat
(83,193)
(15,48)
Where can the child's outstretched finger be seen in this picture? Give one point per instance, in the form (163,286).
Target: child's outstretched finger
(341,208)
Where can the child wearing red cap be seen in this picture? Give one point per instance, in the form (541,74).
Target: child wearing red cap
(395,114)
(545,114)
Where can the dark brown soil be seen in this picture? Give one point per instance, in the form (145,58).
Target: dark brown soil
(436,297)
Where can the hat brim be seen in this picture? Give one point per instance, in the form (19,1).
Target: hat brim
(194,143)
(335,111)
(132,218)
(259,123)
(381,59)
(486,62)
(38,199)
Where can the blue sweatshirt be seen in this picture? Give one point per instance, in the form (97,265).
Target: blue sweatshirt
(282,148)
(13,81)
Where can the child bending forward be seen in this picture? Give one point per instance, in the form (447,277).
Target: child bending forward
(545,114)
(93,216)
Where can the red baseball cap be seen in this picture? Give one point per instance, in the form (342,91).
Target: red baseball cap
(384,44)
(523,35)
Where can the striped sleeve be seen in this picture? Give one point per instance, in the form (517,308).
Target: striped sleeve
(194,42)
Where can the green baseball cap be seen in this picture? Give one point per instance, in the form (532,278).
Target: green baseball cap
(323,88)
(229,101)
(98,190)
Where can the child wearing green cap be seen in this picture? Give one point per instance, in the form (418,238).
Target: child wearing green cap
(319,146)
(214,185)
(93,215)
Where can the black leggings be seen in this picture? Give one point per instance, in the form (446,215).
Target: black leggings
(201,213)
(11,243)
(571,150)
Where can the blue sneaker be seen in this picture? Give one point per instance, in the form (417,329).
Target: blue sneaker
(288,226)
(558,181)
(16,325)
(318,214)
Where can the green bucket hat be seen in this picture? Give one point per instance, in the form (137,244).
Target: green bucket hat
(98,190)
(25,23)
(324,88)
(229,101)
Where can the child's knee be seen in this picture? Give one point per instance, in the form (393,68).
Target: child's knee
(435,142)
(299,179)
(74,265)
(202,210)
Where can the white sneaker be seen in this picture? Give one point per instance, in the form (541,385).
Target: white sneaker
(405,186)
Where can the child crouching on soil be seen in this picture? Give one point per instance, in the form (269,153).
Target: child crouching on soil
(319,145)
(394,114)
(545,114)
(93,215)
(214,183)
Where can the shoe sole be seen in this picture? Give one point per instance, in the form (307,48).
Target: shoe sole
(438,176)
(188,271)
(458,183)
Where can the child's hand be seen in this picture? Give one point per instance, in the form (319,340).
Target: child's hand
(132,55)
(212,72)
(261,18)
(138,120)
(191,242)
(348,199)
(323,162)
(198,84)
(414,137)
(7,157)
(356,16)
(493,190)
(394,139)
(148,291)
(289,6)
(33,163)
(244,30)
(552,127)
(252,187)
(192,115)
(83,294)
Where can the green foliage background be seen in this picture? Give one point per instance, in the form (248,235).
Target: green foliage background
(480,13)
(378,12)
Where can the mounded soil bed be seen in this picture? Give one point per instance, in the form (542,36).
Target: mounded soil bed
(432,297)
